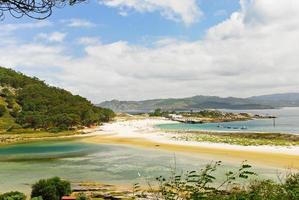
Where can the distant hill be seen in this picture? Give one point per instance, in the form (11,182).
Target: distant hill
(191,103)
(278,100)
(27,102)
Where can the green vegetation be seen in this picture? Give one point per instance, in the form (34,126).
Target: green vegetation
(31,104)
(51,189)
(37,198)
(82,196)
(13,196)
(161,113)
(2,110)
(245,139)
(213,114)
(182,104)
(204,185)
(205,116)
(158,113)
(6,120)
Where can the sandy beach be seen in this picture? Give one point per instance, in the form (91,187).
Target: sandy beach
(142,133)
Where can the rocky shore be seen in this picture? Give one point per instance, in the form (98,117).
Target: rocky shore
(214,116)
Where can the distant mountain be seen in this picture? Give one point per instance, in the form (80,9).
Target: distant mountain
(278,100)
(191,103)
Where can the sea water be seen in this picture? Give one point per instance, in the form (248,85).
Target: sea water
(287,121)
(23,164)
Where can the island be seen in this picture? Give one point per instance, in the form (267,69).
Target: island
(207,116)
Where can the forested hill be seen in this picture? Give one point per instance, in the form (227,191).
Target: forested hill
(27,102)
(206,102)
(191,103)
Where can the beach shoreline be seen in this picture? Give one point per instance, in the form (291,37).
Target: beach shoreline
(141,133)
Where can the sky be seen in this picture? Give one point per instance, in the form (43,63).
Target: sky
(145,49)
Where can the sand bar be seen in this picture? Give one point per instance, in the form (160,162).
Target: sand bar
(141,133)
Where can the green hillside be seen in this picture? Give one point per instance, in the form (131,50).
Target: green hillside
(183,104)
(6,120)
(29,103)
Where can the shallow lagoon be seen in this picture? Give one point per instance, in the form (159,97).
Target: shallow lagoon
(23,164)
(287,121)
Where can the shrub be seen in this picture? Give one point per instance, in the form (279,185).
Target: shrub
(199,185)
(37,198)
(2,110)
(15,110)
(5,92)
(291,186)
(265,189)
(54,130)
(202,185)
(51,189)
(157,113)
(13,196)
(13,128)
(82,196)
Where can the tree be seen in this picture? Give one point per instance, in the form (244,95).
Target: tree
(157,113)
(37,105)
(2,110)
(51,189)
(37,9)
(13,196)
(5,92)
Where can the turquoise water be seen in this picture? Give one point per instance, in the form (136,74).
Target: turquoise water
(287,121)
(22,165)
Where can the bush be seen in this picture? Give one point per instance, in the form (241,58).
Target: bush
(82,196)
(15,110)
(265,189)
(14,128)
(13,196)
(157,113)
(2,110)
(54,130)
(37,198)
(202,186)
(51,189)
(291,186)
(5,92)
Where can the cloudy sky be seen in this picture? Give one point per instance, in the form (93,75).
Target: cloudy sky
(140,49)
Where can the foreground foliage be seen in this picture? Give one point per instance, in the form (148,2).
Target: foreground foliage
(34,104)
(13,196)
(241,184)
(51,189)
(204,185)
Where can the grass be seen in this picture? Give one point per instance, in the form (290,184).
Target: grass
(14,138)
(244,139)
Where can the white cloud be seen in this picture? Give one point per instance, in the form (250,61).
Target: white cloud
(51,37)
(79,23)
(186,11)
(253,52)
(89,40)
(8,28)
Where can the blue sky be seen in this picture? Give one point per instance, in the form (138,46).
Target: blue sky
(144,49)
(136,27)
